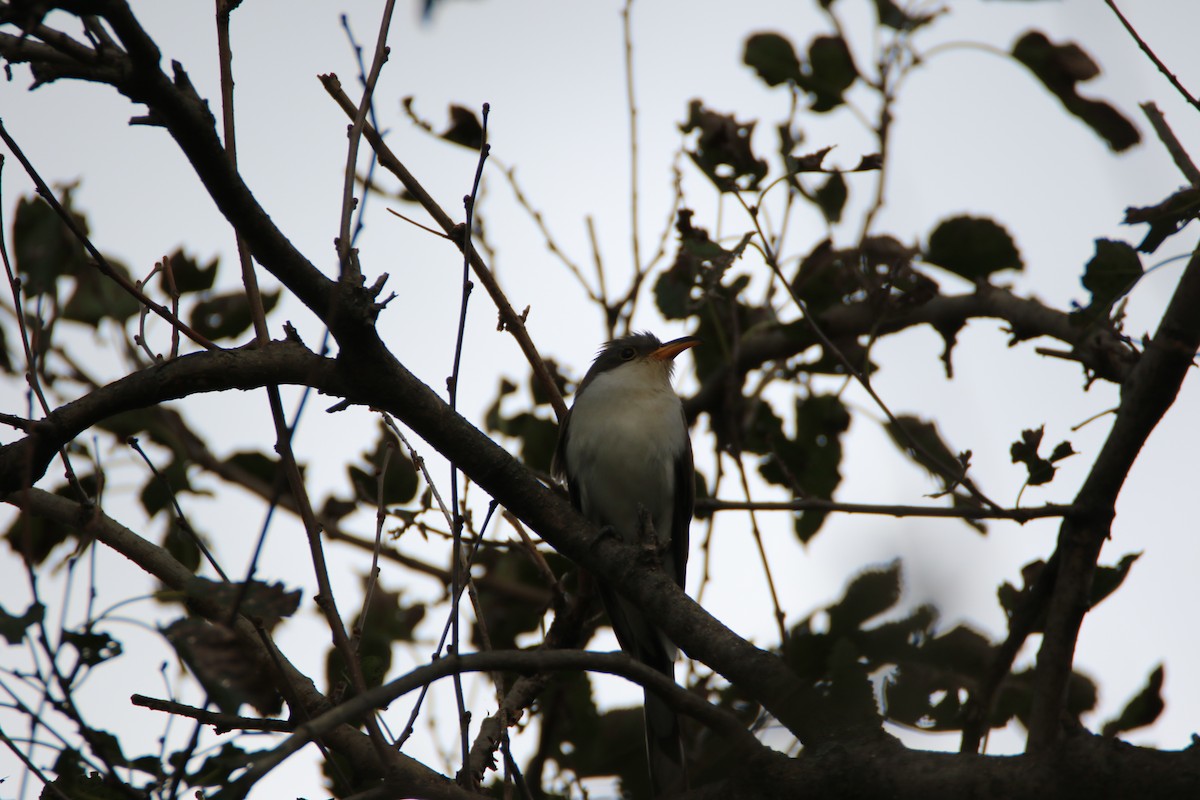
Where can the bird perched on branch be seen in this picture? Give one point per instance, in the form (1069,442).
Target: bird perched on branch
(625,455)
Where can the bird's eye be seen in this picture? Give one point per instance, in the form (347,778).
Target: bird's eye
(627,353)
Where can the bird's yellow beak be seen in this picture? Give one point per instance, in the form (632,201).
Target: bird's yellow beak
(674,348)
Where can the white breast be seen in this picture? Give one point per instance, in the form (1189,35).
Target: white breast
(627,431)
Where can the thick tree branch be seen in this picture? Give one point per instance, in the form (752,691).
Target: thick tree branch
(724,723)
(1148,392)
(1099,349)
(23,462)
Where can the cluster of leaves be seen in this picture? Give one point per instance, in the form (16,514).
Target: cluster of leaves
(927,678)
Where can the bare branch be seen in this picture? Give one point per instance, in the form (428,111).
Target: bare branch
(1148,393)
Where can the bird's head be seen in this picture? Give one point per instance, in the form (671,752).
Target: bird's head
(638,357)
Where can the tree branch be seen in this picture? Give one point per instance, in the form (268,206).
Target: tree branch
(1149,391)
(1021,515)
(305,700)
(1099,349)
(24,461)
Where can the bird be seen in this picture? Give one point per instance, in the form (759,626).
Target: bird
(624,451)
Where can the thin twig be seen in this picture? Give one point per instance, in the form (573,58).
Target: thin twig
(220,722)
(452,386)
(511,321)
(821,504)
(349,267)
(1172,143)
(1154,59)
(180,518)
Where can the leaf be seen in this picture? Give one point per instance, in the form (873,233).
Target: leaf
(43,247)
(13,628)
(807,463)
(97,296)
(1025,451)
(399,479)
(387,622)
(831,71)
(1059,67)
(832,197)
(267,602)
(1110,274)
(172,479)
(227,315)
(722,150)
(973,247)
(34,537)
(219,767)
(182,544)
(227,673)
(465,128)
(188,275)
(1165,218)
(773,58)
(1142,710)
(892,16)
(1108,579)
(93,647)
(698,272)
(870,594)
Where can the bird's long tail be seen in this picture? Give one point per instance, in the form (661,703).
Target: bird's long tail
(664,745)
(664,741)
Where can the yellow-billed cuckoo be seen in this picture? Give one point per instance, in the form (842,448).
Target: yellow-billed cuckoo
(624,449)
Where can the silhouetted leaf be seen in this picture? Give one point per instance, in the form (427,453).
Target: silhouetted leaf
(465,128)
(171,479)
(34,537)
(773,58)
(267,602)
(1025,451)
(399,481)
(831,197)
(897,18)
(75,779)
(870,594)
(1011,599)
(387,622)
(181,543)
(698,273)
(1166,218)
(508,614)
(1108,579)
(1142,710)
(722,150)
(972,247)
(217,768)
(13,628)
(1059,67)
(94,647)
(43,247)
(227,315)
(1111,273)
(188,275)
(221,665)
(830,72)
(808,463)
(97,296)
